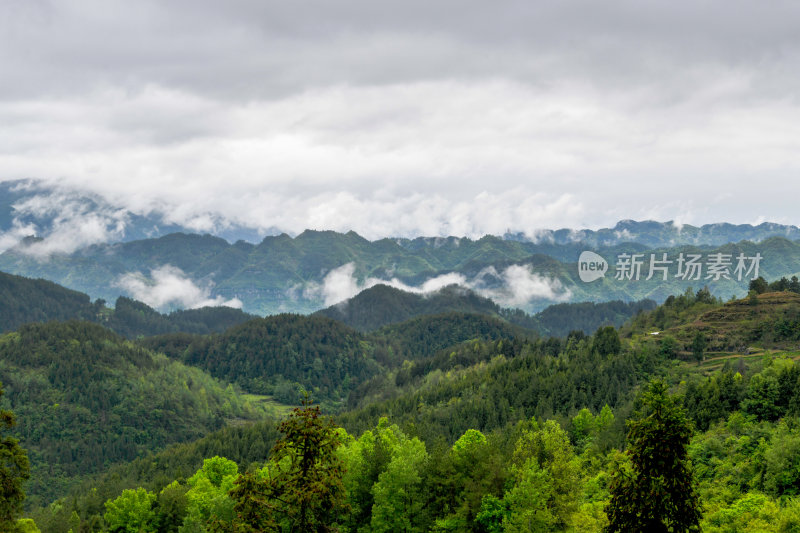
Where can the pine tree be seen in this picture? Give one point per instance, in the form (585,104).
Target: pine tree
(14,470)
(658,493)
(301,489)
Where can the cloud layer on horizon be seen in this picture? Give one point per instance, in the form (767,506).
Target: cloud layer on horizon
(459,118)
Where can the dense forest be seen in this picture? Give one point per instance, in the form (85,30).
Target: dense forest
(86,399)
(418,471)
(447,422)
(23,301)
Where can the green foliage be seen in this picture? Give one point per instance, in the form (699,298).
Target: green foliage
(714,398)
(493,513)
(606,341)
(322,355)
(132,512)
(699,343)
(88,399)
(658,494)
(398,500)
(26,525)
(668,347)
(171,507)
(14,471)
(301,487)
(24,300)
(758,285)
(547,484)
(208,495)
(134,319)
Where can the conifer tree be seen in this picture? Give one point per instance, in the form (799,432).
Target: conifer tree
(301,489)
(14,471)
(658,493)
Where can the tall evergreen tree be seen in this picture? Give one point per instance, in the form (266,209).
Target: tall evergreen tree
(301,489)
(14,470)
(658,493)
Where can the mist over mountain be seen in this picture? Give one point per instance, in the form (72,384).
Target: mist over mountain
(60,219)
(317,269)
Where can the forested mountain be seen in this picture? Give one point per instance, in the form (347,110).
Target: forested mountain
(24,300)
(319,268)
(135,319)
(281,355)
(558,320)
(86,398)
(383,305)
(469,437)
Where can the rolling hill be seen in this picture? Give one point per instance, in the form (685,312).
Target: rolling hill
(86,398)
(24,301)
(317,269)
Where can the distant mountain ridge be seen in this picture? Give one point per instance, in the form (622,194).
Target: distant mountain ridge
(319,268)
(40,226)
(661,234)
(33,208)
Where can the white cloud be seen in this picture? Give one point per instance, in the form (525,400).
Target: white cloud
(339,284)
(520,285)
(515,286)
(455,118)
(74,222)
(168,287)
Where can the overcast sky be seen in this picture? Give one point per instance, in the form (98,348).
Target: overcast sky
(406,118)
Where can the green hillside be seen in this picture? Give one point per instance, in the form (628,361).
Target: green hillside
(765,321)
(463,438)
(281,355)
(86,399)
(24,300)
(383,305)
(285,274)
(134,319)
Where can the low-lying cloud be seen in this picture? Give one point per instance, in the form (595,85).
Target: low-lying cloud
(168,287)
(519,285)
(73,221)
(514,286)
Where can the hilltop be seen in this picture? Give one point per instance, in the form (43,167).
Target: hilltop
(24,300)
(317,269)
